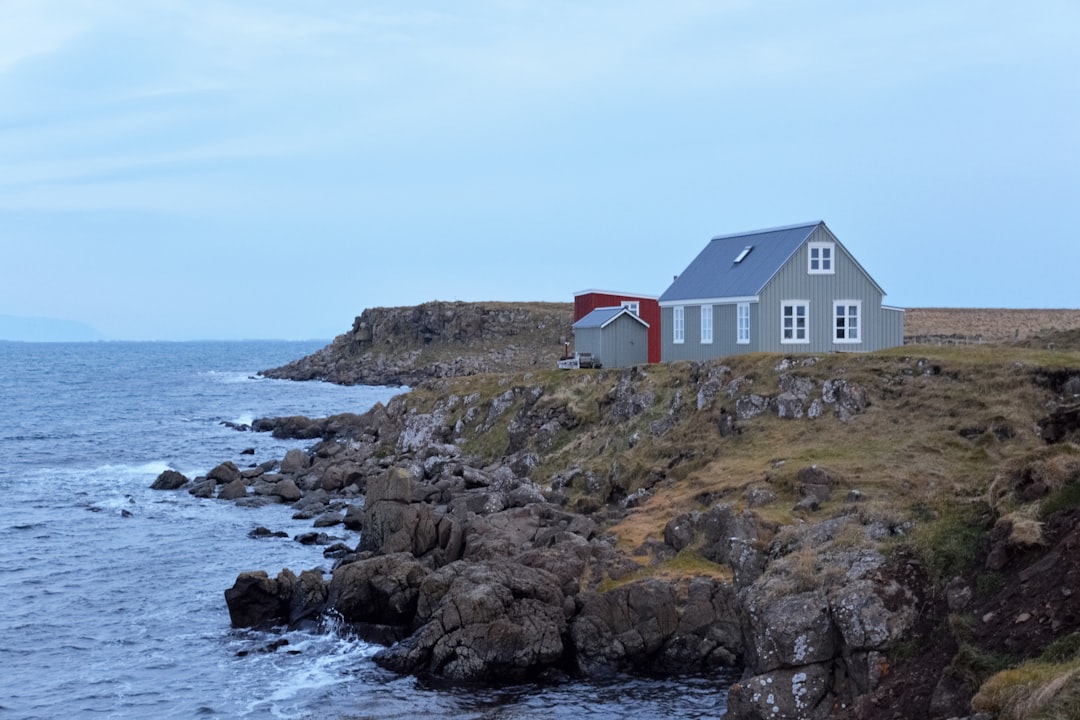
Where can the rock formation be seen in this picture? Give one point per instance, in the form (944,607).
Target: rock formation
(491,510)
(406,345)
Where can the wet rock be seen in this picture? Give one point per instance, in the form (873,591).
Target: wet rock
(287,490)
(257,600)
(381,590)
(483,622)
(295,461)
(263,532)
(225,473)
(169,480)
(233,490)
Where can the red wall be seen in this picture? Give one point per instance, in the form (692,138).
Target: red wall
(648,310)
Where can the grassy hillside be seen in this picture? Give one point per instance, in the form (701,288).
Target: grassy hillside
(942,454)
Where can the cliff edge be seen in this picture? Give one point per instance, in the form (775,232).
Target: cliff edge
(406,345)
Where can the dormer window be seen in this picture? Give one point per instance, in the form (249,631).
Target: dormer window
(822,257)
(742,255)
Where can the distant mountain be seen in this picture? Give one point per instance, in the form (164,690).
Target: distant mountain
(39,329)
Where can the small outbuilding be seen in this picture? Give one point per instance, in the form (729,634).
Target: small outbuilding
(647,307)
(615,336)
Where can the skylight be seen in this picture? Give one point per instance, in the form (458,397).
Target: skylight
(745,251)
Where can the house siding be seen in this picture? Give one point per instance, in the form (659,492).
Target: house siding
(879,327)
(725,326)
(648,310)
(847,282)
(622,343)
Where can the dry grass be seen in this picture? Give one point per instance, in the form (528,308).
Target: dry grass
(938,428)
(989,324)
(1033,691)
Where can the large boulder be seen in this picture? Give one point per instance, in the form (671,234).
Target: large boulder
(483,621)
(169,480)
(658,626)
(392,523)
(224,473)
(257,600)
(381,590)
(295,461)
(789,630)
(784,694)
(623,627)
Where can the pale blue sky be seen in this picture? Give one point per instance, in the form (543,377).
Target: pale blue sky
(182,169)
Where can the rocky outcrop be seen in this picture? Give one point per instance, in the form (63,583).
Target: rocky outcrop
(486,553)
(490,621)
(406,345)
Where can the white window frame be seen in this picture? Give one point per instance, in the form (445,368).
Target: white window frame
(678,327)
(742,323)
(633,305)
(821,258)
(706,324)
(852,335)
(799,335)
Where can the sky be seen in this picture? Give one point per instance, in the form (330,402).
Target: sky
(240,169)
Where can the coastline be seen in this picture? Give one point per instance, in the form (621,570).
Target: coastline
(508,535)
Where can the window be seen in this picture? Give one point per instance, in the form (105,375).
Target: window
(795,322)
(822,256)
(677,333)
(632,305)
(847,325)
(743,316)
(706,324)
(742,255)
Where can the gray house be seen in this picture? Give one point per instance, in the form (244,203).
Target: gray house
(616,336)
(787,289)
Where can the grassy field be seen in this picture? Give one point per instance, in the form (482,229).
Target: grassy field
(988,324)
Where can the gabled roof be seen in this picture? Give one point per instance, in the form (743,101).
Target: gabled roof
(714,273)
(604,316)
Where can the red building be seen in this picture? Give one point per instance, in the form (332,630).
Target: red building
(647,308)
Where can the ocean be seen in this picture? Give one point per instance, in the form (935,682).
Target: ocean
(112,594)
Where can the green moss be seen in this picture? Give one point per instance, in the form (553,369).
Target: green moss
(1064,498)
(947,541)
(1064,649)
(988,583)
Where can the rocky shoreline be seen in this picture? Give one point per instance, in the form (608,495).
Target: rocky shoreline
(468,570)
(844,536)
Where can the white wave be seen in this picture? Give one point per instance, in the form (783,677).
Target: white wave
(245,419)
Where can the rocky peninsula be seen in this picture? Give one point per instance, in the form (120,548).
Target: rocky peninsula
(839,536)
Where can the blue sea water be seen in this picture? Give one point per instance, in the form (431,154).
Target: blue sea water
(111,594)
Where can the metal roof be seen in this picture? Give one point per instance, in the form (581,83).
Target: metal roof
(714,273)
(604,316)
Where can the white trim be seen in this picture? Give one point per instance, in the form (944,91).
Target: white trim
(739,339)
(622,310)
(706,337)
(795,340)
(821,245)
(711,301)
(678,325)
(893,308)
(857,304)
